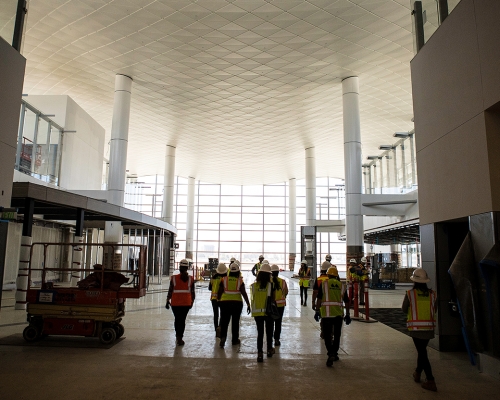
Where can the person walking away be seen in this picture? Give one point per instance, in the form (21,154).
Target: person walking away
(230,294)
(362,273)
(331,294)
(317,283)
(213,286)
(256,267)
(281,291)
(262,292)
(304,276)
(181,297)
(420,305)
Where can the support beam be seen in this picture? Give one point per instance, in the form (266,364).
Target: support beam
(292,223)
(190,219)
(310,186)
(168,186)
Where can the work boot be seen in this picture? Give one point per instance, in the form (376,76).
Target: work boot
(430,385)
(235,342)
(180,342)
(270,352)
(305,303)
(330,360)
(277,343)
(416,376)
(217,332)
(260,357)
(222,342)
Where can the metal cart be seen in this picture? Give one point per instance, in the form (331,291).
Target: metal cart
(91,312)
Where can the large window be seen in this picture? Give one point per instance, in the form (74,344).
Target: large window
(242,221)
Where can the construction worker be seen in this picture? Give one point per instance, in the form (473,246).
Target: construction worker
(231,291)
(331,295)
(256,267)
(232,261)
(362,273)
(420,304)
(304,276)
(213,286)
(281,291)
(181,297)
(328,258)
(262,292)
(317,283)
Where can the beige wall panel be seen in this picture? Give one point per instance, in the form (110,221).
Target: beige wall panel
(492,120)
(446,79)
(488,34)
(454,174)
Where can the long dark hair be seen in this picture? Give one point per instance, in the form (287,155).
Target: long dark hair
(276,281)
(263,278)
(184,273)
(421,286)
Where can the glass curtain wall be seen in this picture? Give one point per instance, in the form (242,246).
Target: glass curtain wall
(241,221)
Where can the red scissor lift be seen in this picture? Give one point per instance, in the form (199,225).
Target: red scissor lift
(92,312)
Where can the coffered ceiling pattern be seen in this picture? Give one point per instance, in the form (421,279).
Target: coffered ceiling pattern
(240,87)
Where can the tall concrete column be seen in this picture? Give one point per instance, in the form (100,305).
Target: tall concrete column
(292,223)
(352,163)
(310,187)
(119,139)
(168,186)
(190,219)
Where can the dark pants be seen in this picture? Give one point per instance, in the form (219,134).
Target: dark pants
(230,310)
(332,324)
(277,323)
(261,321)
(303,294)
(215,308)
(180,314)
(423,363)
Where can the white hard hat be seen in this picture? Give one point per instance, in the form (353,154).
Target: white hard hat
(304,262)
(363,259)
(261,256)
(265,262)
(328,257)
(265,268)
(352,260)
(221,268)
(232,259)
(325,265)
(235,266)
(184,263)
(274,268)
(420,276)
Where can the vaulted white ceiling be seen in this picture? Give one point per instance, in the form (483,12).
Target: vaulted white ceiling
(240,87)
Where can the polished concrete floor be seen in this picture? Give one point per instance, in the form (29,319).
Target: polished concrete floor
(376,362)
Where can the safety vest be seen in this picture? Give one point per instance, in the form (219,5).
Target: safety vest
(421,316)
(331,303)
(363,270)
(303,279)
(257,266)
(231,288)
(181,295)
(215,287)
(279,296)
(259,298)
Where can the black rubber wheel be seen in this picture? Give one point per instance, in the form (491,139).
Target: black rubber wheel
(107,336)
(120,330)
(31,333)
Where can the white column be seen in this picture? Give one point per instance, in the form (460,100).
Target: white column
(403,163)
(168,186)
(310,187)
(292,223)
(381,160)
(352,163)
(413,164)
(22,274)
(119,139)
(190,219)
(77,261)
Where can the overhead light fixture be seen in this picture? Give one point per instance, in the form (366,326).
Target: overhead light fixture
(401,134)
(385,147)
(372,157)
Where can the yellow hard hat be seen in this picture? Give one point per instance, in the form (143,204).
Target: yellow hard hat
(332,271)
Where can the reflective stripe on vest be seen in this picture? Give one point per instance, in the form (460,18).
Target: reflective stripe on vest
(215,287)
(421,316)
(232,287)
(333,293)
(181,295)
(280,297)
(259,298)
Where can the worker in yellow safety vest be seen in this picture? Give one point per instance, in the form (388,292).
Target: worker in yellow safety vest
(262,292)
(331,297)
(231,292)
(213,286)
(256,267)
(420,304)
(317,283)
(281,291)
(362,274)
(304,277)
(181,297)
